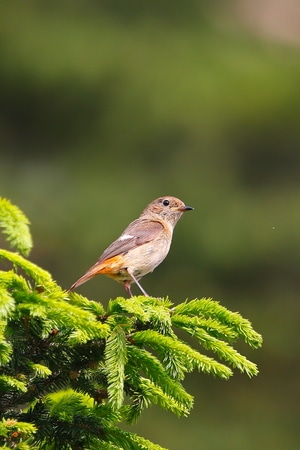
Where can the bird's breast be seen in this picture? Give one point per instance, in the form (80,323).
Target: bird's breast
(145,258)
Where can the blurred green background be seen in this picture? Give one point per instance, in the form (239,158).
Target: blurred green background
(106,105)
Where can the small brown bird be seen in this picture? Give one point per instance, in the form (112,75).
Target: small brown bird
(142,246)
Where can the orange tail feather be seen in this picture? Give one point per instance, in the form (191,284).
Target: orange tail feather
(107,267)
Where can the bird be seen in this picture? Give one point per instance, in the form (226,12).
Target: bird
(141,247)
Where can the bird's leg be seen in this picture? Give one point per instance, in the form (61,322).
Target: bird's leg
(136,281)
(127,288)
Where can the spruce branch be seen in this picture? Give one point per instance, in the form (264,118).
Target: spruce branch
(124,440)
(40,276)
(188,358)
(154,394)
(6,349)
(207,308)
(163,385)
(83,303)
(155,371)
(160,316)
(131,306)
(7,303)
(210,342)
(7,383)
(39,370)
(115,360)
(15,226)
(72,369)
(14,434)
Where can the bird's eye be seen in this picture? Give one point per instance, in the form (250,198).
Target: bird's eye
(166,202)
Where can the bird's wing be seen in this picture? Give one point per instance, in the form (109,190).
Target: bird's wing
(137,233)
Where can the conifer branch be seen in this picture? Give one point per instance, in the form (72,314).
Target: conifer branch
(7,303)
(7,383)
(14,434)
(83,303)
(81,368)
(155,371)
(188,358)
(208,308)
(37,274)
(154,394)
(222,348)
(115,360)
(15,226)
(129,441)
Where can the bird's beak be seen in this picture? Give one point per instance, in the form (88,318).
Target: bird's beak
(185,208)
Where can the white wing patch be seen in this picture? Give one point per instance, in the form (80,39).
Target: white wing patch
(124,237)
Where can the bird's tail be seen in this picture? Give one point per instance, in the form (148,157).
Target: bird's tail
(81,280)
(109,267)
(94,270)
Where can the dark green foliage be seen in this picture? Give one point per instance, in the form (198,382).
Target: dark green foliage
(71,370)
